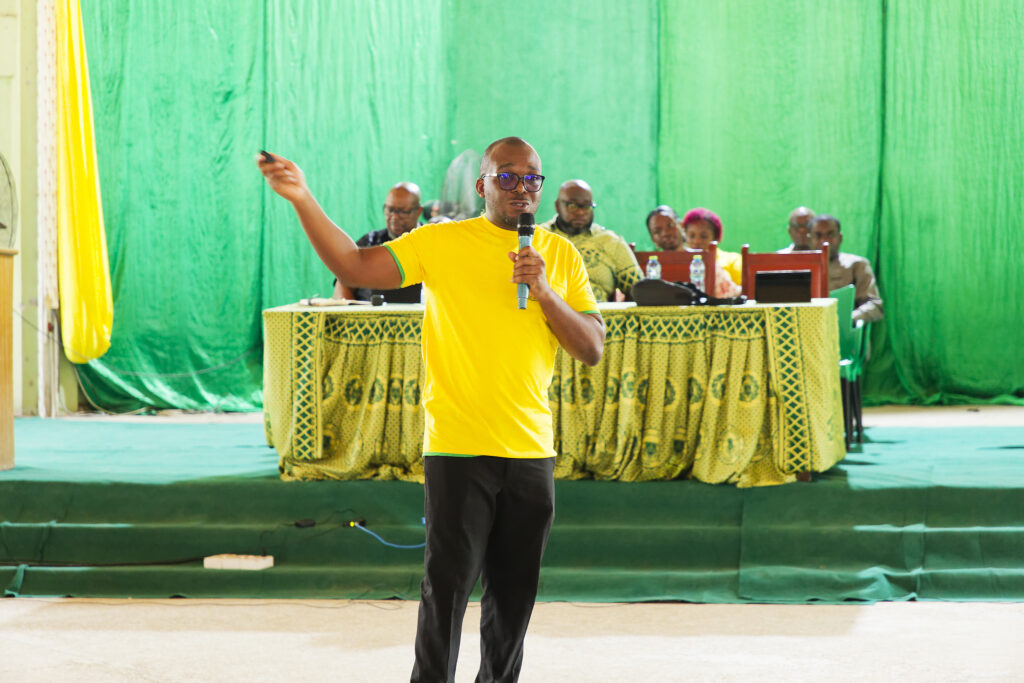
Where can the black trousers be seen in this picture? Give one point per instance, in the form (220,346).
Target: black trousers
(487,517)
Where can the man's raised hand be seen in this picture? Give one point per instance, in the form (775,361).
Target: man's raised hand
(284,177)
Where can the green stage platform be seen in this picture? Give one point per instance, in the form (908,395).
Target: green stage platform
(102,508)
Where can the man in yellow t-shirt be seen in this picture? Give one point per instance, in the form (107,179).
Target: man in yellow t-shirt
(489,458)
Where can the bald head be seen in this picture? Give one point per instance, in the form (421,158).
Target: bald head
(801,213)
(402,208)
(406,189)
(498,149)
(576,184)
(800,227)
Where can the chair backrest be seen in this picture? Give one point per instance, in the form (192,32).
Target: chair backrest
(815,261)
(675,265)
(853,335)
(844,309)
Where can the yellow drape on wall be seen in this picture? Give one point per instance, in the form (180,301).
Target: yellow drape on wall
(83,273)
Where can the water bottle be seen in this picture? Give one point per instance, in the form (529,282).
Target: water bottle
(653,268)
(697,272)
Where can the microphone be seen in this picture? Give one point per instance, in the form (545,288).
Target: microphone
(525,229)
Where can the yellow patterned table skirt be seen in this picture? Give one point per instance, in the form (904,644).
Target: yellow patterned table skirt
(746,395)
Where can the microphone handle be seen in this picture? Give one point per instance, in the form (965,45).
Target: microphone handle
(523,289)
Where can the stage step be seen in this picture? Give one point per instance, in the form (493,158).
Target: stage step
(611,541)
(111,511)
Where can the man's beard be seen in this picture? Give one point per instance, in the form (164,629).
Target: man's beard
(570,228)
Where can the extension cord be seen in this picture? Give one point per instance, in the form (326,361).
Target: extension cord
(229,561)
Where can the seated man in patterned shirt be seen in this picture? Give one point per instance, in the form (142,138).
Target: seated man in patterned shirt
(611,264)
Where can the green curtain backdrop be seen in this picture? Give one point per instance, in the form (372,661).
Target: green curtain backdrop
(178,95)
(950,241)
(902,117)
(579,80)
(766,106)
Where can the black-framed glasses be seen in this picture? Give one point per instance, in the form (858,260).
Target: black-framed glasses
(509,181)
(576,206)
(400,212)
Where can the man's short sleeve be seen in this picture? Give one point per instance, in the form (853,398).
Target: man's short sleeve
(409,252)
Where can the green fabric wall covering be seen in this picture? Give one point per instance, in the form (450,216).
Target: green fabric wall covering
(899,116)
(579,80)
(950,242)
(177,99)
(769,105)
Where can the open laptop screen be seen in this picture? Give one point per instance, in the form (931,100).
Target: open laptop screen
(782,286)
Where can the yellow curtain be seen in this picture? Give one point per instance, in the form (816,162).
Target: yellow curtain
(83,273)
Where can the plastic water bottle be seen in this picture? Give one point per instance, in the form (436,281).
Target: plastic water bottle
(697,273)
(653,268)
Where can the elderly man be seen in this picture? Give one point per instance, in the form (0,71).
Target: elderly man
(401,211)
(799,230)
(488,451)
(846,269)
(611,264)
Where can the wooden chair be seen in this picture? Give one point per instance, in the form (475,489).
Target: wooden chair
(814,261)
(675,265)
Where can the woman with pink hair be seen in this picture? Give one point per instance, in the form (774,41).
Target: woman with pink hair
(701,227)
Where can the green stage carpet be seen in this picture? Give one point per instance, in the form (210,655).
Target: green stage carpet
(129,509)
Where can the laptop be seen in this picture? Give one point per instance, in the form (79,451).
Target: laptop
(782,286)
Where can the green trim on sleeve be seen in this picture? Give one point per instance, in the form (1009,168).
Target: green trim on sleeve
(451,455)
(595,311)
(401,271)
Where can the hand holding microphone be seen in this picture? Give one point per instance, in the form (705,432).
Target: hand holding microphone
(525,229)
(529,272)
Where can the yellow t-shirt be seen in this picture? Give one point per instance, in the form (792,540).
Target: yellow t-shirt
(488,364)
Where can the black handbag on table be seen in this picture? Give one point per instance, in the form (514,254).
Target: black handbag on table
(652,292)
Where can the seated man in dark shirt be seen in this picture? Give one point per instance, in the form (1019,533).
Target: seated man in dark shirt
(401,212)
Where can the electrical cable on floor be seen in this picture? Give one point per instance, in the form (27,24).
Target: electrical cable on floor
(358,524)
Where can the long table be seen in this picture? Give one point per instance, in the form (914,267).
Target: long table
(746,395)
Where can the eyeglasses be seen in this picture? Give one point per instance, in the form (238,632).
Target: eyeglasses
(509,181)
(574,206)
(391,210)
